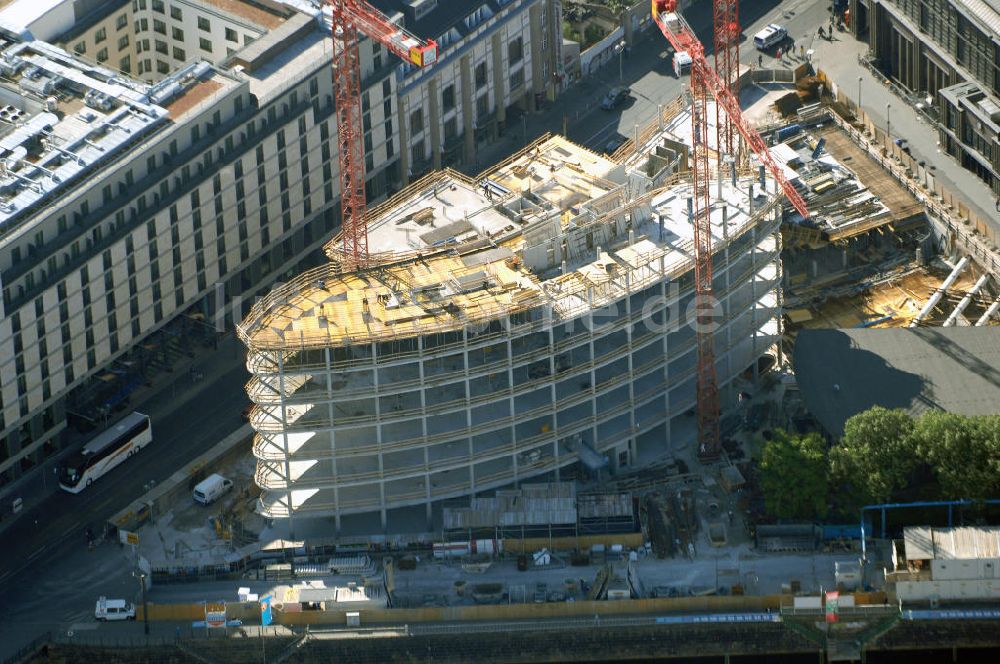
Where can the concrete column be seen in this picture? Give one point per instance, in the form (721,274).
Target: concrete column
(468,110)
(333,437)
(429,513)
(468,414)
(554,52)
(403,121)
(383,513)
(552,392)
(534,52)
(499,79)
(435,120)
(512,428)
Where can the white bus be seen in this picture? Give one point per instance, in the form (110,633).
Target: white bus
(103,453)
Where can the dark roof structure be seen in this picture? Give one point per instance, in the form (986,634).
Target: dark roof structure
(844,372)
(429,19)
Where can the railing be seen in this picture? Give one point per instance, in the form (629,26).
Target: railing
(939,202)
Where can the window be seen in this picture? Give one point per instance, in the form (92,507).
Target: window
(205,44)
(450,130)
(123,42)
(516,80)
(100,36)
(80,47)
(176,14)
(159,26)
(247,39)
(483,106)
(515,51)
(231,35)
(177,34)
(121,22)
(448,98)
(417,153)
(160,46)
(162,67)
(179,54)
(102,55)
(125,65)
(203,24)
(480,75)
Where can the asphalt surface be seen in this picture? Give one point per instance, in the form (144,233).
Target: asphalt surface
(46,569)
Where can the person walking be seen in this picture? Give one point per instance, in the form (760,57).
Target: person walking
(779,55)
(760,61)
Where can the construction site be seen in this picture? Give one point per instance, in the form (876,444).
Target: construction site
(547,319)
(536,393)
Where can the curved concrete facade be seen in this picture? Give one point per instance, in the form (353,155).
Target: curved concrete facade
(598,374)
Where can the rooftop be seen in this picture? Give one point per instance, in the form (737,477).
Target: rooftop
(431,19)
(62,118)
(449,251)
(263,14)
(962,543)
(844,372)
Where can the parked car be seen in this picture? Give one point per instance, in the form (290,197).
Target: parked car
(211,488)
(615,97)
(769,36)
(113,609)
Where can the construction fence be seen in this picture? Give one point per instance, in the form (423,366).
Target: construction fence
(249,612)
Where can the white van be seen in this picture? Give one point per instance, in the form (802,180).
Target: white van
(769,36)
(113,609)
(211,488)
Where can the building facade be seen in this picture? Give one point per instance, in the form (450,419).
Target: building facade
(947,54)
(532,324)
(229,184)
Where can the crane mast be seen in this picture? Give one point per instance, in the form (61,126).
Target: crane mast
(726,34)
(718,83)
(350,19)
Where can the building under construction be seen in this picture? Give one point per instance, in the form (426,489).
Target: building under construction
(536,322)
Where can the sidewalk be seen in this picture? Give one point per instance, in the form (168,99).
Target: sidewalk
(839,59)
(159,400)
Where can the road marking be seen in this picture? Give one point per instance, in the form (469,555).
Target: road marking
(602,130)
(82,627)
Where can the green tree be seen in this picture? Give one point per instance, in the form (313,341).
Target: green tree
(962,452)
(876,455)
(793,476)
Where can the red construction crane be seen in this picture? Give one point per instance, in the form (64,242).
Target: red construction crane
(726,22)
(705,81)
(351,18)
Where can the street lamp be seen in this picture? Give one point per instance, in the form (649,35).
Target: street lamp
(859,94)
(888,126)
(620,50)
(145,609)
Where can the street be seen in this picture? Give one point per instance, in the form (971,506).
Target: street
(46,569)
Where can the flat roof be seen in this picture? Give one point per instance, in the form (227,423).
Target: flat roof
(844,372)
(449,251)
(254,12)
(961,543)
(63,118)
